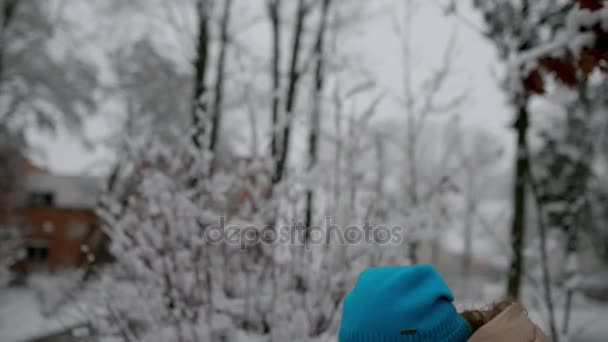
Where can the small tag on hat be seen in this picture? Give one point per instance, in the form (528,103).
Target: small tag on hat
(408,331)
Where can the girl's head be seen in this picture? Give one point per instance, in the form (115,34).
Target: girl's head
(413,304)
(401,304)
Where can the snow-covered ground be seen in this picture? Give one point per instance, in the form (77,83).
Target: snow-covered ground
(589,323)
(21,317)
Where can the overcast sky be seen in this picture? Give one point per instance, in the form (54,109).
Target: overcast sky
(376,44)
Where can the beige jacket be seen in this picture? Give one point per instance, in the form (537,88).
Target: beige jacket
(511,325)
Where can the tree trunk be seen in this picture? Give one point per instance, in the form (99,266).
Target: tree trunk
(199,105)
(380,208)
(519,200)
(315,127)
(292,91)
(9,8)
(544,258)
(219,85)
(582,137)
(274,14)
(468,234)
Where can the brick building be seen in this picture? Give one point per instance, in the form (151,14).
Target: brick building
(57,214)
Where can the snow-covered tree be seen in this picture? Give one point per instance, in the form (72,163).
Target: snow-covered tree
(11,178)
(42,87)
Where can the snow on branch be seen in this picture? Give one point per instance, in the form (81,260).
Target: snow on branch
(580,46)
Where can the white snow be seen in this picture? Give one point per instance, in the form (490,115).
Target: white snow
(570,38)
(22,312)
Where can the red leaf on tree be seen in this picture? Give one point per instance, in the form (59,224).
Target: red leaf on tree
(534,82)
(569,68)
(587,61)
(563,69)
(592,5)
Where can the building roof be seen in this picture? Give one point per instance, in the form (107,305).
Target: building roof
(68,191)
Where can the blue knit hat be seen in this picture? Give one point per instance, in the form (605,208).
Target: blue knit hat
(401,304)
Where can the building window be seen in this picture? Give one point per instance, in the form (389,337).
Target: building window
(78,230)
(38,251)
(48,227)
(40,199)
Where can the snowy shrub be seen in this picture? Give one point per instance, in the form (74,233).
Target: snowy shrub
(11,251)
(169,282)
